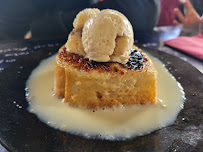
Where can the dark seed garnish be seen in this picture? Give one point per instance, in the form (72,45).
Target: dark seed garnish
(136,60)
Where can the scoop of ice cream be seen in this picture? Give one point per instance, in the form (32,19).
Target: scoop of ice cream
(107,35)
(74,43)
(83,16)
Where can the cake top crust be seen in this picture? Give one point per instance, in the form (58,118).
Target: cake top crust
(137,62)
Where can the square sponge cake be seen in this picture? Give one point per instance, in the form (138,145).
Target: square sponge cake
(89,84)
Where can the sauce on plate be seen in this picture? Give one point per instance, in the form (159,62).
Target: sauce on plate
(110,124)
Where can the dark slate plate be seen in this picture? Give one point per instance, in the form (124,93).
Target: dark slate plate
(23,131)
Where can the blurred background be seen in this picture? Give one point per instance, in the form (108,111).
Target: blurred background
(36,19)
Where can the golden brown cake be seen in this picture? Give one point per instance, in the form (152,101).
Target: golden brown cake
(89,84)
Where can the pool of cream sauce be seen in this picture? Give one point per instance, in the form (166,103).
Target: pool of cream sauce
(110,124)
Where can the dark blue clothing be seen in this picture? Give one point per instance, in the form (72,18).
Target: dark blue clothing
(53,18)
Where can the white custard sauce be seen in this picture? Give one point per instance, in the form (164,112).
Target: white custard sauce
(111,124)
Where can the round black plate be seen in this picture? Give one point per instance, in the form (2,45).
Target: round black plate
(23,131)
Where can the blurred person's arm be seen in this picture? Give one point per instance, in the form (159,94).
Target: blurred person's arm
(190,15)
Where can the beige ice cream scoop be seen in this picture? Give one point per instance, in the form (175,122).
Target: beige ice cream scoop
(107,35)
(74,43)
(83,16)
